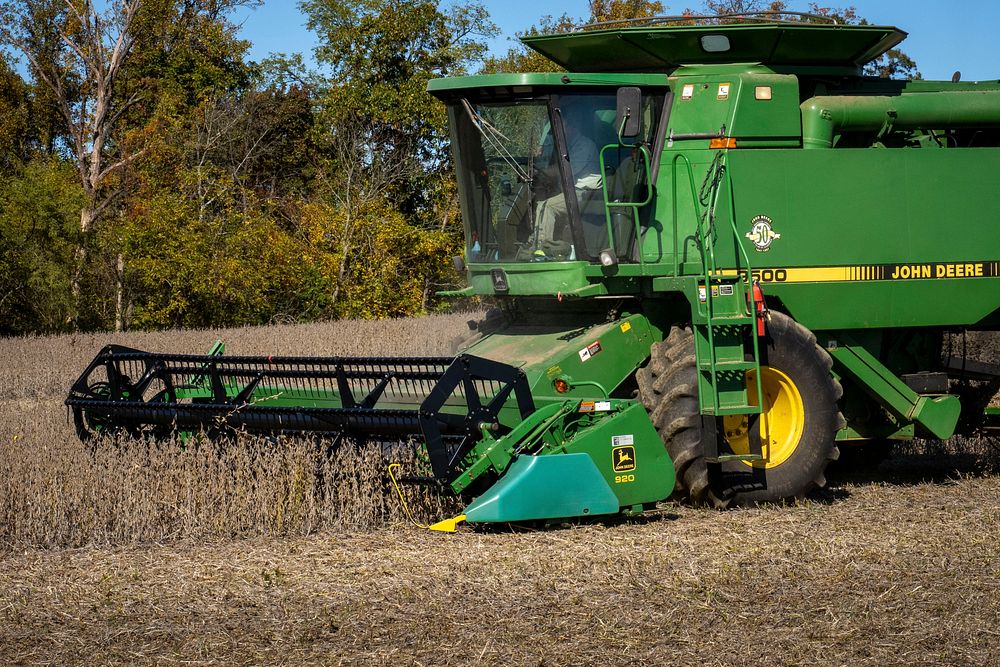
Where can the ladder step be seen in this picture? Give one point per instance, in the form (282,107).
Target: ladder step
(734,457)
(731,319)
(727,366)
(725,331)
(731,409)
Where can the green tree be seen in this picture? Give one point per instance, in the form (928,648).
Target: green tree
(211,231)
(81,72)
(16,131)
(49,133)
(105,85)
(39,212)
(383,173)
(186,50)
(234,263)
(379,55)
(519,58)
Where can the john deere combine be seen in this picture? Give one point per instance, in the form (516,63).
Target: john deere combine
(715,249)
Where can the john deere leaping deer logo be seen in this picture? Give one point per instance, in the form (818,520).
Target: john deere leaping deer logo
(761,233)
(623,458)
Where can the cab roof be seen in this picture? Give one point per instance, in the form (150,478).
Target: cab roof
(660,45)
(508,83)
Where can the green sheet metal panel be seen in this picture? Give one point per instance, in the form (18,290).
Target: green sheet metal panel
(602,354)
(661,48)
(629,454)
(618,462)
(708,98)
(937,414)
(545,487)
(533,278)
(874,237)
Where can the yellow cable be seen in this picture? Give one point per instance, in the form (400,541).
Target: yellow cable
(399,491)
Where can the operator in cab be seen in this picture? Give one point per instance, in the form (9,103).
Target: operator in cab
(552,237)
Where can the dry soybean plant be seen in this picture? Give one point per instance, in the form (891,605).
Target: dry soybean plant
(119,490)
(58,491)
(45,366)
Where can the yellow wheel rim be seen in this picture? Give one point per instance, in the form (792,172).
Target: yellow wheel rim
(781,421)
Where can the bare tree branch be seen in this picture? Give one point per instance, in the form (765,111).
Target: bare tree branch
(92,48)
(122,163)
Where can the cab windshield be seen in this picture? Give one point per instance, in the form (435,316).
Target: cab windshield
(530,176)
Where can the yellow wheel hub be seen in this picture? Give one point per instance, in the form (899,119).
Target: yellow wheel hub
(781,420)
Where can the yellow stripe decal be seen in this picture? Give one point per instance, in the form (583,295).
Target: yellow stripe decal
(876,272)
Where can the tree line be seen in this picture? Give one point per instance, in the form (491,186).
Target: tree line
(152,175)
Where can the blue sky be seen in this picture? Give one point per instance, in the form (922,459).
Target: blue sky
(944,36)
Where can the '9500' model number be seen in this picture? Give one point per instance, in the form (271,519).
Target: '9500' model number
(768,275)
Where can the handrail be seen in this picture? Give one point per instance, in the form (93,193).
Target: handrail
(635,206)
(736,238)
(694,200)
(711,19)
(707,248)
(707,259)
(749,277)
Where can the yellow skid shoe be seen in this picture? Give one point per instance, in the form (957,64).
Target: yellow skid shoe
(448,525)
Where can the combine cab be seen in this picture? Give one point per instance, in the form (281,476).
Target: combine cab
(718,252)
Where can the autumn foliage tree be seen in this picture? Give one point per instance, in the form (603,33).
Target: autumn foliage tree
(78,54)
(385,158)
(152,175)
(209,189)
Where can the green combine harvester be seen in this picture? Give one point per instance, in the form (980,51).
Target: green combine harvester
(719,255)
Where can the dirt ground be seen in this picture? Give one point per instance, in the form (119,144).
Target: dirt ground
(881,570)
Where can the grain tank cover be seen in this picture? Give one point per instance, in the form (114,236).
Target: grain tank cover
(657,47)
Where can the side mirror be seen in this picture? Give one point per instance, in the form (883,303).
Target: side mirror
(628,119)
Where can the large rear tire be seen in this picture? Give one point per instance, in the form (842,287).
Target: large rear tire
(797,427)
(668,387)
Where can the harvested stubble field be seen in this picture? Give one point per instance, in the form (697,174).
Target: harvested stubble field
(267,554)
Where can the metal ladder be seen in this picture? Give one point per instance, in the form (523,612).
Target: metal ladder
(724,320)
